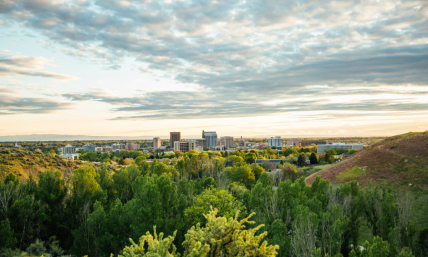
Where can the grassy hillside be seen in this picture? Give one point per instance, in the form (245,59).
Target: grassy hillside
(25,162)
(399,160)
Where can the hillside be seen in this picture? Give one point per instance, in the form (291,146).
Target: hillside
(25,162)
(397,160)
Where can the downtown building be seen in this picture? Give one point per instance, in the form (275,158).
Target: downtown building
(132,146)
(89,147)
(156,143)
(68,149)
(275,142)
(211,138)
(174,136)
(184,146)
(226,141)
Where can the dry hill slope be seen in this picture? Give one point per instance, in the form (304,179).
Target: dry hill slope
(397,160)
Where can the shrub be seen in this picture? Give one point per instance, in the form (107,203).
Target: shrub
(36,248)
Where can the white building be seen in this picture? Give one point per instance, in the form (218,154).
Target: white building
(118,147)
(71,156)
(156,143)
(275,142)
(68,149)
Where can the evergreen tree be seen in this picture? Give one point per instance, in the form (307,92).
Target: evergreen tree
(313,158)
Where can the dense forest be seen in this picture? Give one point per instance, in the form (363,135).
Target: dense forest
(196,206)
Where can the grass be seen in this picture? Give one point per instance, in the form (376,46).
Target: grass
(350,174)
(310,171)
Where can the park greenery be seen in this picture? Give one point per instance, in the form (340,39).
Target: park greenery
(191,204)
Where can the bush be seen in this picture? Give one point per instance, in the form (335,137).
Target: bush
(37,248)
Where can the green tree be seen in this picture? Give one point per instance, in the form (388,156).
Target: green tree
(7,239)
(225,203)
(301,160)
(227,237)
(313,158)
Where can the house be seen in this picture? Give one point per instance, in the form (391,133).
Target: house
(346,155)
(272,162)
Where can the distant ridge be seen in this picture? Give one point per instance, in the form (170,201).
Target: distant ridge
(400,160)
(58,137)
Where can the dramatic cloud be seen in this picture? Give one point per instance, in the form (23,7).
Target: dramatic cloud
(242,54)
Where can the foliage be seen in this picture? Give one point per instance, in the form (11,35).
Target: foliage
(226,237)
(7,240)
(221,200)
(36,248)
(157,246)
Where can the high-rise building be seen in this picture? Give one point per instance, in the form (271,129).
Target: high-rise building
(174,136)
(68,149)
(156,143)
(226,141)
(275,142)
(184,146)
(211,138)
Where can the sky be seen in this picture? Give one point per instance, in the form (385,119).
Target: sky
(303,68)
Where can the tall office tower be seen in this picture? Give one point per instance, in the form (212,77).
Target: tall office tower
(226,141)
(211,138)
(156,143)
(275,142)
(174,136)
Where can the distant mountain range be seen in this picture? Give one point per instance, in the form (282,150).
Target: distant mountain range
(57,137)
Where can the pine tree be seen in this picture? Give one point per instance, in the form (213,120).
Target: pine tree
(313,158)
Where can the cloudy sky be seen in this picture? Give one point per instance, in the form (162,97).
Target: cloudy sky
(240,67)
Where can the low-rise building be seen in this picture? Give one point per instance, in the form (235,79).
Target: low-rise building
(89,147)
(184,146)
(132,146)
(293,142)
(71,156)
(275,142)
(321,148)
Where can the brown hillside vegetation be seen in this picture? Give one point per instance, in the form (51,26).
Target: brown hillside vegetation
(24,162)
(397,160)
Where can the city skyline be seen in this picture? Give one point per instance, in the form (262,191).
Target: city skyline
(130,69)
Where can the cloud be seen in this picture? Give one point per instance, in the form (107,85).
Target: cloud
(27,66)
(12,104)
(240,54)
